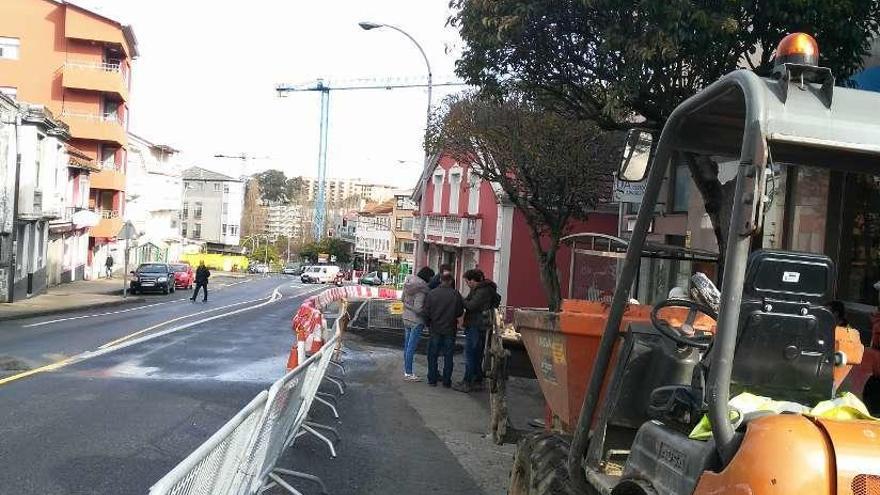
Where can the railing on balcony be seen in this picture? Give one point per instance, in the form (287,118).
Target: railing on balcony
(112,118)
(107,213)
(108,66)
(458,228)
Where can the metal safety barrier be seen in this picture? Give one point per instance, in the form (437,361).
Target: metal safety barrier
(241,457)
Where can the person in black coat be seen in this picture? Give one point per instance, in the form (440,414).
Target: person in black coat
(202,276)
(479,308)
(435,281)
(442,308)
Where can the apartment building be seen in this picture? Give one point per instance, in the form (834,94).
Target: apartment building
(339,190)
(283,220)
(77,63)
(374,237)
(152,204)
(212,208)
(34,195)
(404,239)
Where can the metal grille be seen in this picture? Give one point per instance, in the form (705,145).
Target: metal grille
(377,314)
(866,484)
(213,468)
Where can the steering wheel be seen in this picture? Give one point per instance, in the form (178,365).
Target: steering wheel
(685,334)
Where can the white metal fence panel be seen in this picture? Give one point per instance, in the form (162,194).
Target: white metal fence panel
(213,468)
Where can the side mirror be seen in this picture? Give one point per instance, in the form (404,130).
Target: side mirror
(132,272)
(634,165)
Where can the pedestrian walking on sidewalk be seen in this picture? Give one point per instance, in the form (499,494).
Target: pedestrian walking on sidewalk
(445,268)
(415,288)
(479,306)
(202,276)
(443,307)
(108,265)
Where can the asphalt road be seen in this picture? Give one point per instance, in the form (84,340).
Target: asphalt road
(115,420)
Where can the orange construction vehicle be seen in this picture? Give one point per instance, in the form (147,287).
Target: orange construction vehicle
(628,385)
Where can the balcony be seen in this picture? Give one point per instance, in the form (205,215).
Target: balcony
(457,231)
(109,224)
(108,178)
(96,76)
(107,128)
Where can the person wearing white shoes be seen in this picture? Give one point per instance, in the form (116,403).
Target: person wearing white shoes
(415,288)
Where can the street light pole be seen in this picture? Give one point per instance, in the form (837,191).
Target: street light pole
(423,181)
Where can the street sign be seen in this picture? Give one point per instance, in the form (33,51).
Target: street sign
(127,231)
(322,257)
(396,308)
(629,192)
(333,258)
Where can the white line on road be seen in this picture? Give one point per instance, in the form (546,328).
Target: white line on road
(109,313)
(276,296)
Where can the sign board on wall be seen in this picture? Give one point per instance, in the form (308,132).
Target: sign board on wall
(629,192)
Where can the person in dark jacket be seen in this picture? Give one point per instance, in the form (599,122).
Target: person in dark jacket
(442,308)
(415,289)
(202,276)
(479,306)
(445,268)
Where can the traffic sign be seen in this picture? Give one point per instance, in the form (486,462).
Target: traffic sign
(127,231)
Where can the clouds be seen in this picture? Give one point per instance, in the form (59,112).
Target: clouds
(207,72)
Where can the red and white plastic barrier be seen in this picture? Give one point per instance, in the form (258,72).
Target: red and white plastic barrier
(308,323)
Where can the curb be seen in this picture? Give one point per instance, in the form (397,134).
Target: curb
(56,311)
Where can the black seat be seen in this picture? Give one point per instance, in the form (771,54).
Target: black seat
(785,339)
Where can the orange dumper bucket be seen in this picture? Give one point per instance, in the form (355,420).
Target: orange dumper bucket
(563,346)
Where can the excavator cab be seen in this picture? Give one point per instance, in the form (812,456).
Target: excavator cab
(775,336)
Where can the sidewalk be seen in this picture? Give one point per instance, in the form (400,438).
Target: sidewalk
(84,294)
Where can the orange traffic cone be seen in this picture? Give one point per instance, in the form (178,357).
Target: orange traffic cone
(293,359)
(317,341)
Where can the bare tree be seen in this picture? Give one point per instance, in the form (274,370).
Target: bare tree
(552,169)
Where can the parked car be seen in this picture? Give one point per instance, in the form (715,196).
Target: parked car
(290,269)
(371,278)
(341,277)
(184,277)
(326,274)
(152,277)
(306,276)
(258,268)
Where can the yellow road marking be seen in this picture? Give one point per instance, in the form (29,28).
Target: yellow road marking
(41,369)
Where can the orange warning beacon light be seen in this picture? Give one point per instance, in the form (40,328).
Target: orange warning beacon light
(797,48)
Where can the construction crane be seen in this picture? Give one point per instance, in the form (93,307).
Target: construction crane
(324,87)
(243,158)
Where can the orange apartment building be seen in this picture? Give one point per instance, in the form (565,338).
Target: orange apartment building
(78,63)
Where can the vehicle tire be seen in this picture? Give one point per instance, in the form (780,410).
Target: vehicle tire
(165,290)
(540,466)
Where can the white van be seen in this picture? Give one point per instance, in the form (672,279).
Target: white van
(323,274)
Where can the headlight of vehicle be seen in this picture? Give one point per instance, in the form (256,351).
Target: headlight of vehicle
(162,279)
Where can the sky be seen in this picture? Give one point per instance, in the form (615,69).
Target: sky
(205,81)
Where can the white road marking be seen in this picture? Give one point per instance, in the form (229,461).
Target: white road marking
(124,342)
(109,313)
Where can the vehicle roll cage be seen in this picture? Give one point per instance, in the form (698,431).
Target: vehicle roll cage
(786,120)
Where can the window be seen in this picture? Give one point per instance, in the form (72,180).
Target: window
(233,230)
(438,192)
(38,159)
(183,229)
(681,188)
(407,247)
(197,211)
(473,193)
(108,158)
(223,229)
(399,224)
(185,214)
(197,231)
(226,188)
(10,48)
(9,91)
(111,110)
(217,186)
(407,224)
(454,189)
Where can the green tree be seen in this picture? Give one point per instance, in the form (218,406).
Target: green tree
(273,186)
(294,189)
(552,168)
(330,246)
(611,60)
(265,252)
